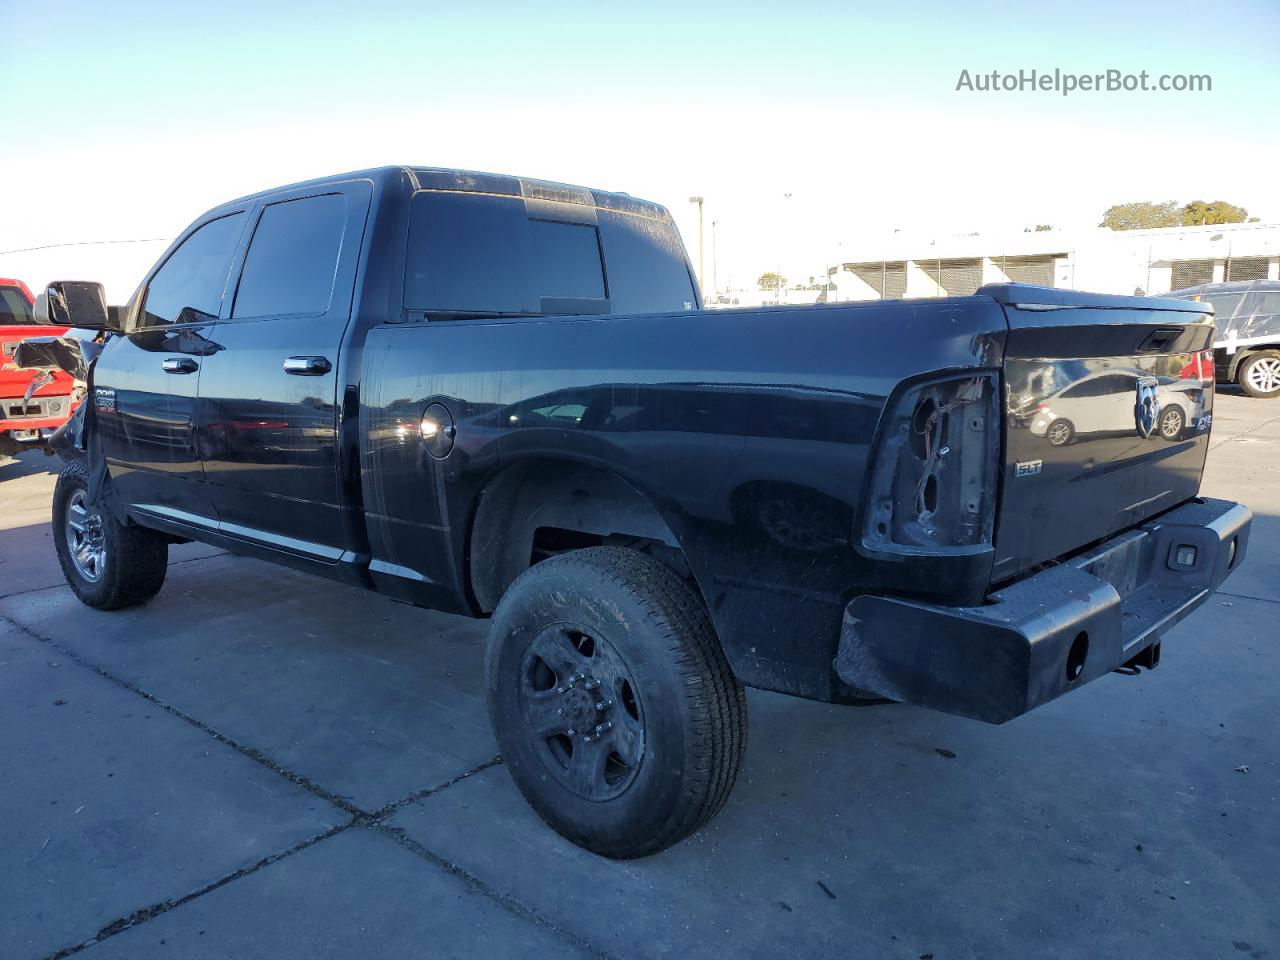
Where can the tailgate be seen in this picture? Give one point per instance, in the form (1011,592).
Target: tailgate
(1108,407)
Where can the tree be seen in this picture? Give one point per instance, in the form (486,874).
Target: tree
(771,281)
(1147,215)
(1143,215)
(1198,213)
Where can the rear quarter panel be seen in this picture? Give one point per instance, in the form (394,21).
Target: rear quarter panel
(747,430)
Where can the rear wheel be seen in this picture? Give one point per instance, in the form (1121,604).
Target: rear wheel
(616,712)
(1259,374)
(1172,422)
(1060,432)
(107,564)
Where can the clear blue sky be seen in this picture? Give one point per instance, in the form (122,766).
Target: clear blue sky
(158,110)
(218,60)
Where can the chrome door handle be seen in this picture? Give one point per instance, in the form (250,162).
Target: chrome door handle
(307,366)
(180,365)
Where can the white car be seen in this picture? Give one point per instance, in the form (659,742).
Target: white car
(1103,402)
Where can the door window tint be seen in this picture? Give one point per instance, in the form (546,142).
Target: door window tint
(484,255)
(1103,386)
(1089,388)
(188,288)
(1224,304)
(13,307)
(1265,304)
(1118,383)
(292,258)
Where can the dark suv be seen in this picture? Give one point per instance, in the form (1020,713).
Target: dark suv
(1246,349)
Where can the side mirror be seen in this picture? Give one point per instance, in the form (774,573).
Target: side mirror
(76,303)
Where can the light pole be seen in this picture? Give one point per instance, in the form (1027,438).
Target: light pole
(786,222)
(701,266)
(715,258)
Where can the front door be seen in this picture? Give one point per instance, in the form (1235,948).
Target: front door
(146,381)
(269,405)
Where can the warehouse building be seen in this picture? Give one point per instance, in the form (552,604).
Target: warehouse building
(1107,261)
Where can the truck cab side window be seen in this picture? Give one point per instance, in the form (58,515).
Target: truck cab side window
(189,287)
(292,258)
(478,254)
(13,308)
(1264,305)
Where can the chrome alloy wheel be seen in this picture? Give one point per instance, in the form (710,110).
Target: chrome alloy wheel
(85,538)
(1264,375)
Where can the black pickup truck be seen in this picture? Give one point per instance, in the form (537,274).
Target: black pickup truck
(501,398)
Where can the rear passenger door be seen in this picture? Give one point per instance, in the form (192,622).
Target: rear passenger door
(1225,308)
(270,402)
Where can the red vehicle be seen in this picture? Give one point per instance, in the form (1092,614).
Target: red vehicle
(28,416)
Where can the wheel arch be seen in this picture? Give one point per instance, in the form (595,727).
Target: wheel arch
(540,506)
(1244,353)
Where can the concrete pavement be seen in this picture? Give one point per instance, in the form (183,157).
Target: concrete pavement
(262,764)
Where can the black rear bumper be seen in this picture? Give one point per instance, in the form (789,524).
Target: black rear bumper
(1051,632)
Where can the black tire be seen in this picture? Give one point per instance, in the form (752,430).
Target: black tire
(620,620)
(1257,371)
(1171,423)
(1059,432)
(131,560)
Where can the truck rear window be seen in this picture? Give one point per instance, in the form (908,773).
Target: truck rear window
(14,308)
(481,254)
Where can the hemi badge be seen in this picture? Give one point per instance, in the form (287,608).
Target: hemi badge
(1028,468)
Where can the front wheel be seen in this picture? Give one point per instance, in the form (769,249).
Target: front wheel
(1259,375)
(107,564)
(614,707)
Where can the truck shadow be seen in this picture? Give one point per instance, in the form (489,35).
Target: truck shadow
(28,464)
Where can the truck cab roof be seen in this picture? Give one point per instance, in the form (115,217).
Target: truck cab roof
(473,181)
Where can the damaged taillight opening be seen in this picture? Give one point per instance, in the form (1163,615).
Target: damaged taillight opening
(935,468)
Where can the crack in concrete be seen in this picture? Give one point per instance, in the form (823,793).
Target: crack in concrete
(1236,436)
(476,885)
(374,821)
(1243,596)
(55,586)
(252,753)
(157,909)
(385,811)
